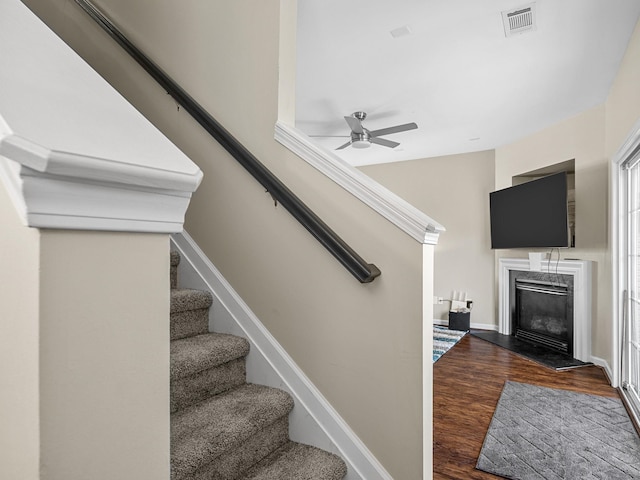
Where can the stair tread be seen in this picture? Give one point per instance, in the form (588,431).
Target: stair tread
(236,428)
(195,354)
(184,299)
(296,461)
(204,431)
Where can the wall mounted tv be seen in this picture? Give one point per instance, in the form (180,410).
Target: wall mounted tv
(531,215)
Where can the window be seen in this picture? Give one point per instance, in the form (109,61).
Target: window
(629,233)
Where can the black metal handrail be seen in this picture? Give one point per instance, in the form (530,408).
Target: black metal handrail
(359,268)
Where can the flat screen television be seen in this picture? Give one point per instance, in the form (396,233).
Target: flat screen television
(531,215)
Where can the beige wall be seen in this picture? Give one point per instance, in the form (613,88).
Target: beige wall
(104,355)
(580,138)
(360,344)
(455,190)
(84,353)
(19,338)
(591,138)
(623,103)
(622,118)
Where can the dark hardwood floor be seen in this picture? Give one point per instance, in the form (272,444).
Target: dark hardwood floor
(467,382)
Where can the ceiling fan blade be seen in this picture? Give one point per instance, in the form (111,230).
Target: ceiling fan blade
(344,146)
(384,142)
(354,124)
(396,129)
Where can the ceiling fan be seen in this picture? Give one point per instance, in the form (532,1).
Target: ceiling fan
(363,138)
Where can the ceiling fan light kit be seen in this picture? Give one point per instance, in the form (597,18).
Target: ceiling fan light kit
(360,140)
(363,138)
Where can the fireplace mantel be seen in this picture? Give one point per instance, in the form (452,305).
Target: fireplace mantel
(581,272)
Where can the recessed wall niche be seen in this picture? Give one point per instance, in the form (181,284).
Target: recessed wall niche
(568,166)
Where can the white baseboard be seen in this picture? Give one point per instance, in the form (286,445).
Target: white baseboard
(313,420)
(605,365)
(475,326)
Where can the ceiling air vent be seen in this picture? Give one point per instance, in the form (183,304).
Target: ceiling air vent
(519,20)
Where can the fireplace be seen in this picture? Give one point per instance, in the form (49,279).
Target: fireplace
(575,275)
(542,313)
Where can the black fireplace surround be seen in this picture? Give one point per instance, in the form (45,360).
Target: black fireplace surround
(542,309)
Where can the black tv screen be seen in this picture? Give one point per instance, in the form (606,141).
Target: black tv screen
(530,215)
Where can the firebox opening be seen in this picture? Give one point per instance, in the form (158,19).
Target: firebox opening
(542,314)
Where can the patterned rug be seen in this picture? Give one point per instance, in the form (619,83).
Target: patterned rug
(444,339)
(542,433)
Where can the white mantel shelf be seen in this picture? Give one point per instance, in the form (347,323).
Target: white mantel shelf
(581,270)
(73,152)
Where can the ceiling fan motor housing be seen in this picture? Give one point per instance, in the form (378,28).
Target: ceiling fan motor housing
(359,115)
(361,140)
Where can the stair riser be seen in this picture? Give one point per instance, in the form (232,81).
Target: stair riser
(231,464)
(189,323)
(190,390)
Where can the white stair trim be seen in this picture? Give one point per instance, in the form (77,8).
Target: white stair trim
(89,168)
(398,211)
(313,420)
(53,201)
(54,190)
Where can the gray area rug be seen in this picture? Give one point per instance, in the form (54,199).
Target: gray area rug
(544,433)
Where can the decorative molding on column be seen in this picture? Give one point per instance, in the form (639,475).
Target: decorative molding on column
(74,154)
(70,202)
(71,191)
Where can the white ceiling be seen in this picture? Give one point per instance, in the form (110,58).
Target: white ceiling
(467,86)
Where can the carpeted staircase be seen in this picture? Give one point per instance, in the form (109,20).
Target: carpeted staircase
(223,428)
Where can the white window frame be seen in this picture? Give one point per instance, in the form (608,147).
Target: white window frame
(629,150)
